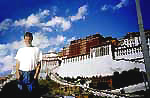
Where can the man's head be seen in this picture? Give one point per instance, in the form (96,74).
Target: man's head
(28,39)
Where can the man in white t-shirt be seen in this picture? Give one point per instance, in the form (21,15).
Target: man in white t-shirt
(28,65)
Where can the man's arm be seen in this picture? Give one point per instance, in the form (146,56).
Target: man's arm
(37,70)
(17,69)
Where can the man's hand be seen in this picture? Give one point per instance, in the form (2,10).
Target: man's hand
(35,76)
(17,75)
(17,69)
(37,70)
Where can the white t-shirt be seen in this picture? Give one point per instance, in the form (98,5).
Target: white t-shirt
(28,57)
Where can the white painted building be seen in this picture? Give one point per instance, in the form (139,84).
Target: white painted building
(100,61)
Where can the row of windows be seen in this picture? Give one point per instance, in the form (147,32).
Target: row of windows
(132,42)
(53,63)
(78,58)
(135,42)
(128,51)
(101,51)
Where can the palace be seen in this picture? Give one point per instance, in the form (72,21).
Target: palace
(99,51)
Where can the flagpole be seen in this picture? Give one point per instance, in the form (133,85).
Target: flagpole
(143,40)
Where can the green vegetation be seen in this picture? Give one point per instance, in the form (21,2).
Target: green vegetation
(49,86)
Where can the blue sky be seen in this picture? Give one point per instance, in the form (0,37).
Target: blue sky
(54,23)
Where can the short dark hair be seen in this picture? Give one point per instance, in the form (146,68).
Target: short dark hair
(28,34)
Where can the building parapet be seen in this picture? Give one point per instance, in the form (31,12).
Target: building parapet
(94,52)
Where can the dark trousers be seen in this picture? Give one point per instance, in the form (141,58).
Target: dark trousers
(27,84)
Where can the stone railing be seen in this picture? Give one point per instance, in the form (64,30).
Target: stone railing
(128,52)
(94,52)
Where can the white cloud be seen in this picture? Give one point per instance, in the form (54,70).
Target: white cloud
(10,47)
(21,22)
(8,62)
(104,7)
(42,22)
(4,25)
(47,29)
(59,22)
(33,19)
(45,13)
(119,5)
(3,49)
(55,22)
(17,44)
(7,54)
(58,40)
(55,49)
(40,40)
(30,21)
(70,39)
(52,50)
(66,25)
(82,11)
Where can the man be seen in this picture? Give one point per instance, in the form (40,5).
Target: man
(28,66)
